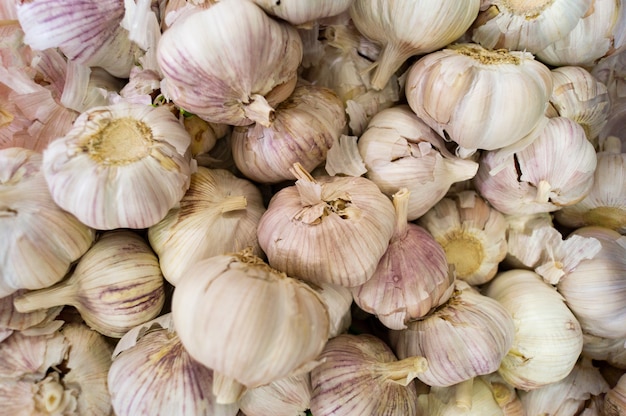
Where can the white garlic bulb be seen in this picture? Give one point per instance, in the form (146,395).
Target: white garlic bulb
(38,240)
(493,98)
(219,214)
(410,27)
(287,396)
(230,63)
(400,151)
(548,337)
(120,166)
(302,12)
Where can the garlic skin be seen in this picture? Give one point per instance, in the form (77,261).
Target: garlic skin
(548,337)
(400,151)
(410,28)
(12,320)
(115,286)
(303,128)
(229,76)
(288,396)
(611,350)
(120,166)
(615,399)
(538,178)
(338,301)
(525,239)
(359,374)
(474,113)
(466,337)
(217,204)
(30,258)
(299,12)
(313,229)
(263,325)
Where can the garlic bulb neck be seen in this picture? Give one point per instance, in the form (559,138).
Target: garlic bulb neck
(259,110)
(401,206)
(233,203)
(227,390)
(390,59)
(402,371)
(59,294)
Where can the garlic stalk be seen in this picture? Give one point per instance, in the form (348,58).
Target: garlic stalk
(289,396)
(262,324)
(219,214)
(230,76)
(302,129)
(120,166)
(298,12)
(472,234)
(359,374)
(465,337)
(313,229)
(410,28)
(548,337)
(411,279)
(615,399)
(400,151)
(115,286)
(38,240)
(493,98)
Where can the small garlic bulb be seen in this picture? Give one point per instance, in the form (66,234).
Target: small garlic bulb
(303,129)
(400,151)
(289,396)
(465,337)
(493,98)
(330,229)
(38,240)
(230,63)
(411,279)
(302,12)
(548,337)
(115,286)
(360,375)
(248,322)
(120,166)
(219,214)
(472,234)
(408,28)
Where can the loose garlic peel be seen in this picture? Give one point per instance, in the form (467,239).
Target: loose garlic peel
(11,320)
(290,396)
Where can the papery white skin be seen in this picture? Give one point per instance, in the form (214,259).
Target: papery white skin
(611,350)
(525,243)
(555,170)
(225,75)
(338,300)
(615,399)
(290,396)
(548,338)
(401,151)
(410,28)
(473,112)
(344,158)
(87,87)
(522,25)
(38,240)
(219,214)
(298,12)
(120,166)
(10,319)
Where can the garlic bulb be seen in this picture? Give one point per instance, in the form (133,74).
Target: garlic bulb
(538,178)
(400,151)
(615,399)
(219,214)
(472,234)
(313,229)
(115,286)
(605,204)
(411,279)
(120,166)
(38,240)
(302,129)
(248,322)
(523,25)
(466,337)
(338,301)
(611,350)
(410,28)
(359,374)
(288,396)
(548,338)
(595,289)
(473,112)
(230,76)
(153,374)
(299,12)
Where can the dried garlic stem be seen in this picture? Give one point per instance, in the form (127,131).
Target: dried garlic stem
(391,57)
(44,298)
(227,390)
(543,192)
(402,371)
(463,394)
(233,203)
(401,206)
(259,110)
(301,174)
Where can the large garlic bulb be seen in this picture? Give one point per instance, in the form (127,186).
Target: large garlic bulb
(248,322)
(302,12)
(120,166)
(479,98)
(38,240)
(400,151)
(548,337)
(410,27)
(230,63)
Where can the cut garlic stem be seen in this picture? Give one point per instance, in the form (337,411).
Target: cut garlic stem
(463,394)
(233,203)
(301,174)
(227,390)
(391,57)
(612,144)
(402,371)
(543,192)
(45,298)
(401,206)
(259,110)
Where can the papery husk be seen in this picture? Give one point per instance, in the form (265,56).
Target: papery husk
(10,319)
(525,243)
(290,396)
(343,158)
(338,300)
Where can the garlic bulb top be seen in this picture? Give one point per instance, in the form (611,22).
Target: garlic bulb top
(230,63)
(299,12)
(481,98)
(38,240)
(120,166)
(410,27)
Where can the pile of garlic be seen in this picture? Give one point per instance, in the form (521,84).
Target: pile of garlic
(327,208)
